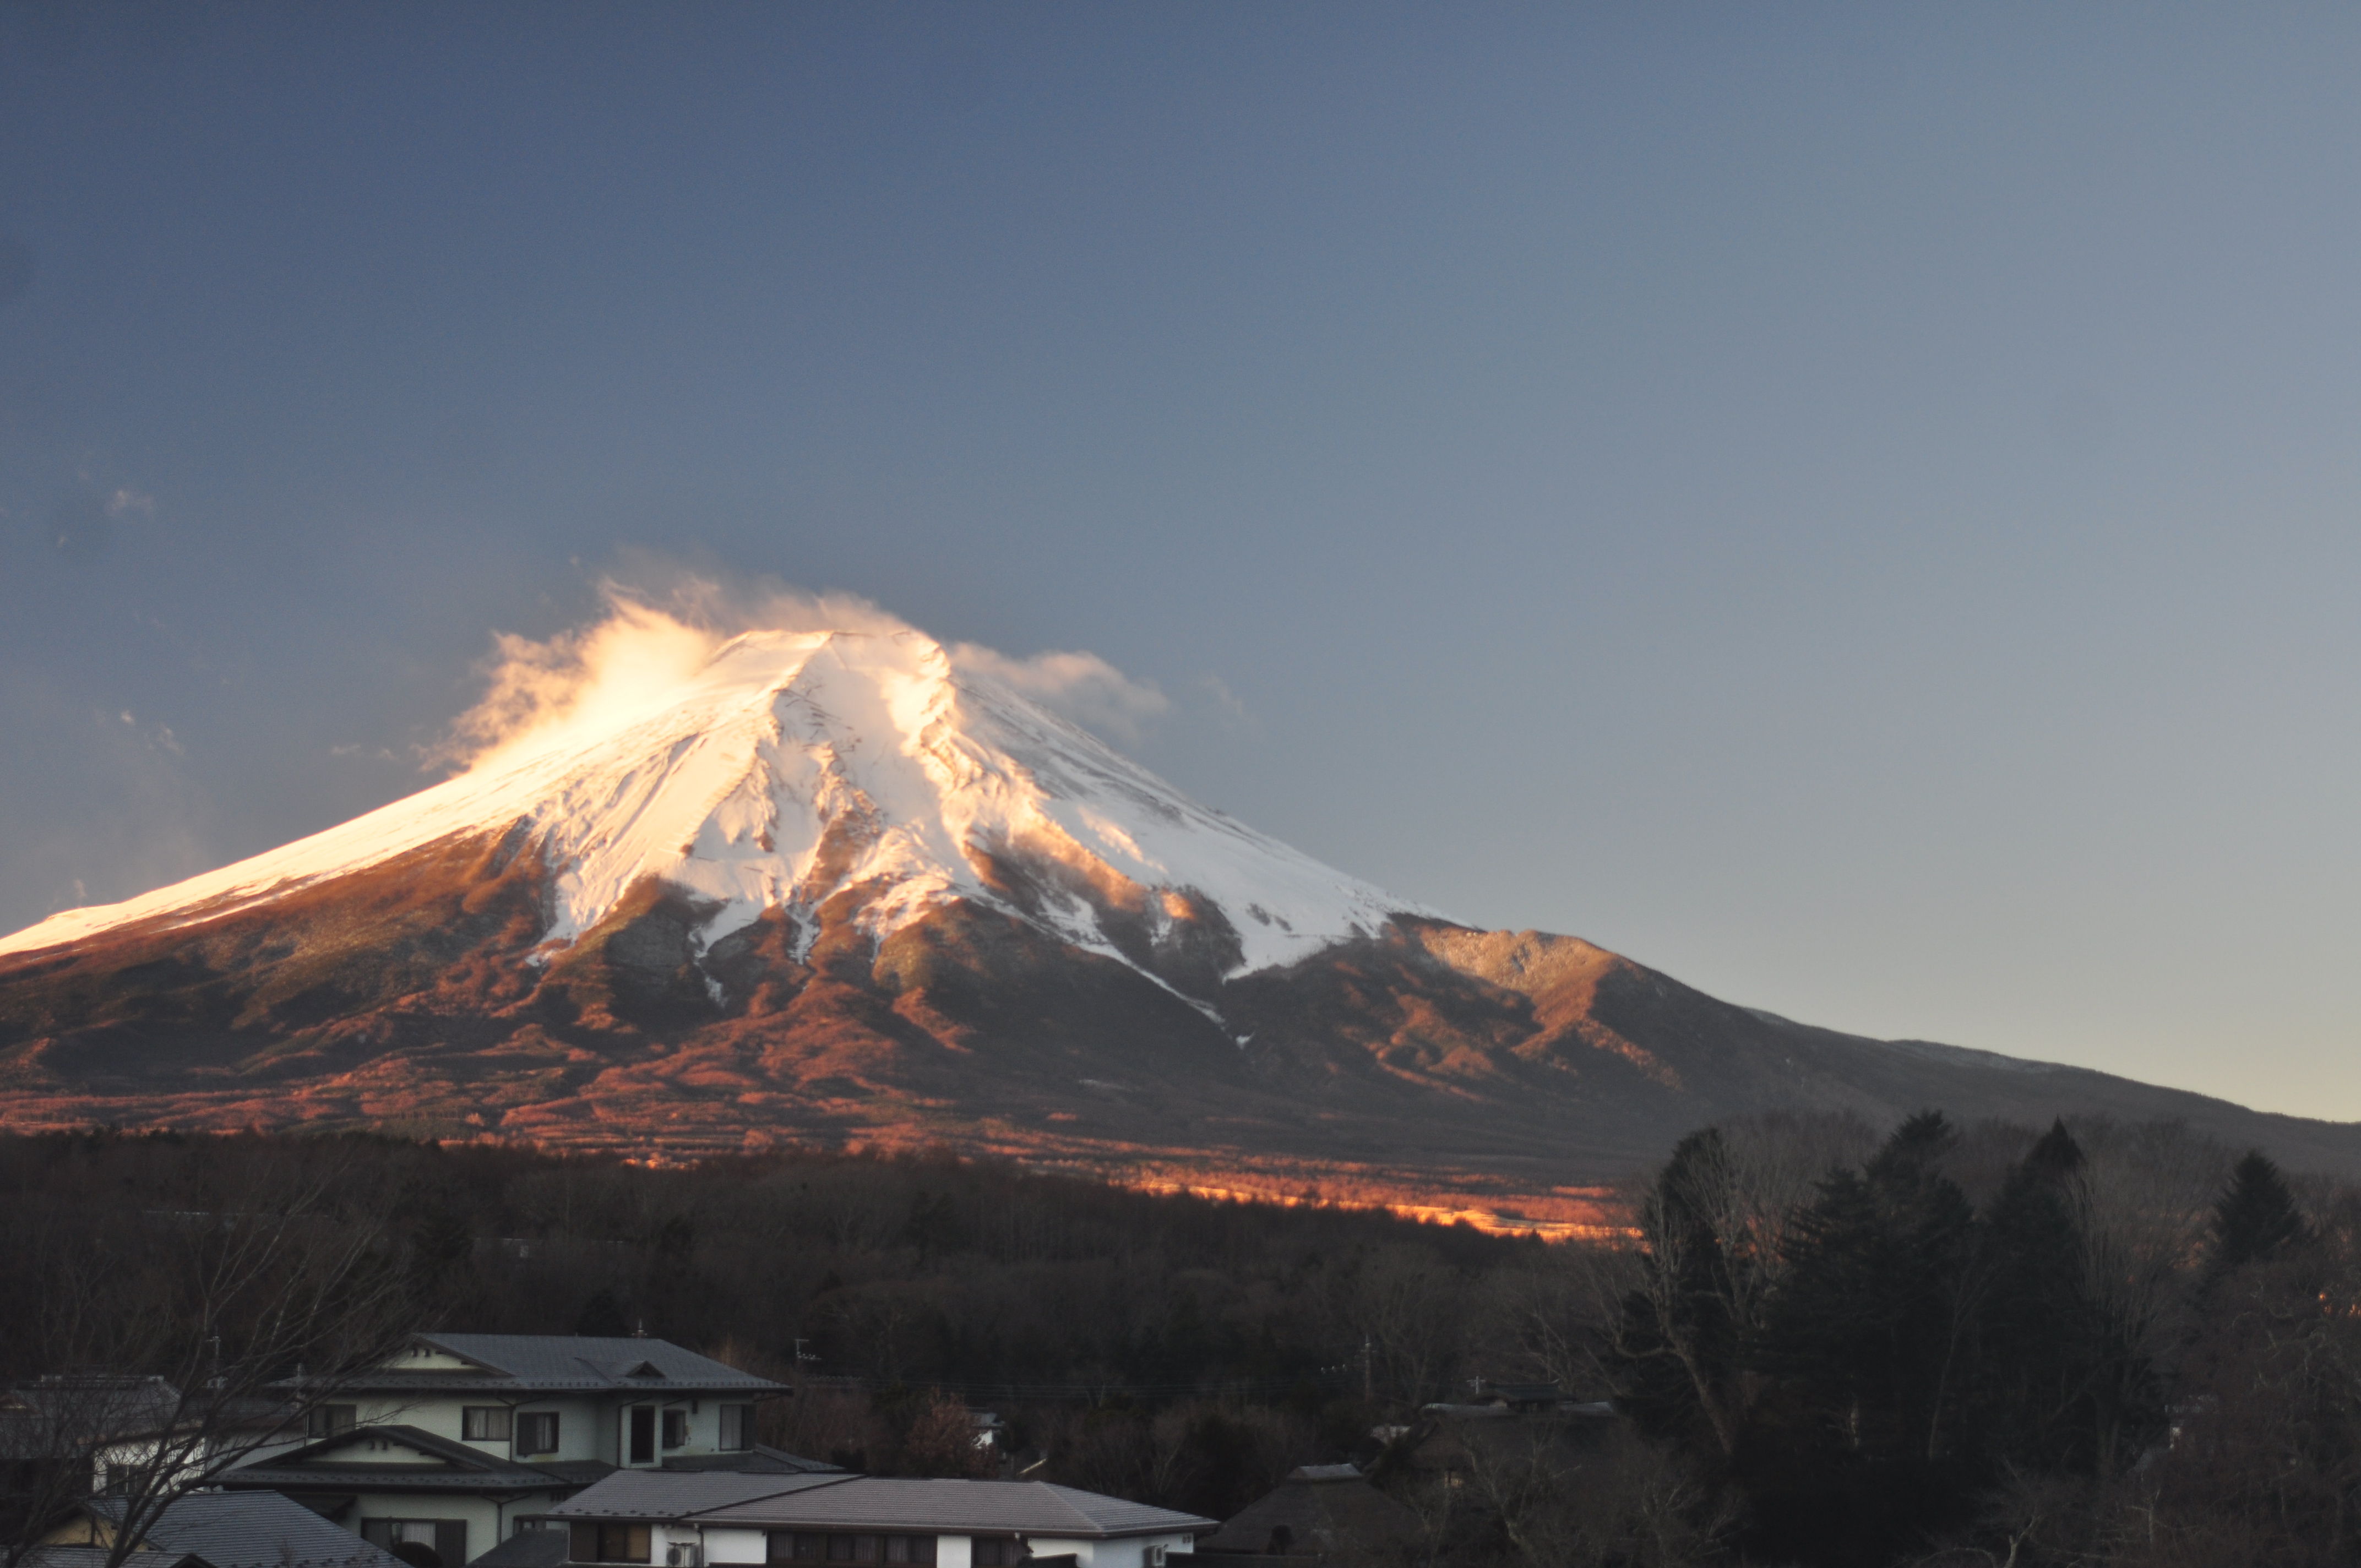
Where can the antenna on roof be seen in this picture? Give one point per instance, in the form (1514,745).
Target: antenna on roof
(640,1329)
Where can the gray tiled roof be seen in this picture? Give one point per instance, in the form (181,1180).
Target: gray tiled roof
(758,1459)
(96,1556)
(958,1507)
(568,1364)
(253,1529)
(525,1549)
(676,1494)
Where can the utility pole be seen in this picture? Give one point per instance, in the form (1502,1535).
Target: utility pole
(1368,1371)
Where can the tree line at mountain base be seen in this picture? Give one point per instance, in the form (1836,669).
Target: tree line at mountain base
(2101,1343)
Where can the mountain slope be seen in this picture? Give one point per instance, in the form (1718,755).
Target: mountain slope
(830,887)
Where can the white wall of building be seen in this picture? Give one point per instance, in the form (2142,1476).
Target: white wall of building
(595,1428)
(736,1546)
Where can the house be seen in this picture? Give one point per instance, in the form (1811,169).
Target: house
(695,1520)
(1524,1399)
(437,1451)
(95,1429)
(225,1529)
(1450,1441)
(1317,1510)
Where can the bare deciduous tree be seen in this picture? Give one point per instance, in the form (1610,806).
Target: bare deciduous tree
(181,1344)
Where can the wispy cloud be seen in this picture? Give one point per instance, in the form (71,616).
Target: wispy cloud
(657,631)
(1079,686)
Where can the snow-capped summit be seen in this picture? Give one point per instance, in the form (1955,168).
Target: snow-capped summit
(788,767)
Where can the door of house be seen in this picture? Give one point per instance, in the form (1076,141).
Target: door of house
(643,1447)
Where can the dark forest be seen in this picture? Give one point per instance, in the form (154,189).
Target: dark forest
(1825,1343)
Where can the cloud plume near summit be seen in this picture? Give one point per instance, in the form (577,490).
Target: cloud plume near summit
(646,643)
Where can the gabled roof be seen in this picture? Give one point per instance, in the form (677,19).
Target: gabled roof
(865,1502)
(438,1465)
(515,1364)
(251,1530)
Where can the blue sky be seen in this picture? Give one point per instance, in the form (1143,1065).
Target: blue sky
(1854,507)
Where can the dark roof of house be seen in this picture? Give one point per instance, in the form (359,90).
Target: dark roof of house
(1321,1510)
(755,1461)
(564,1363)
(863,1502)
(526,1549)
(97,1404)
(251,1530)
(68,1412)
(442,1465)
(96,1557)
(676,1494)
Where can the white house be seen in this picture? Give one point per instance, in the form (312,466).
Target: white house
(715,1520)
(437,1453)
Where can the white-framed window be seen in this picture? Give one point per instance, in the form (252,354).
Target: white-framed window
(536,1433)
(737,1427)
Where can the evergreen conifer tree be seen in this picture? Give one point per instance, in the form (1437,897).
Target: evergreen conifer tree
(1870,1341)
(2256,1218)
(2043,1352)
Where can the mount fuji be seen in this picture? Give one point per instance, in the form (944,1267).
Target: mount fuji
(839,886)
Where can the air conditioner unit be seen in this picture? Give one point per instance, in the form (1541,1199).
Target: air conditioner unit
(684,1554)
(1154,1558)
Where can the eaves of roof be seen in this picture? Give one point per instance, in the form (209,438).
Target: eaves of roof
(880,1503)
(392,1478)
(452,1467)
(547,1383)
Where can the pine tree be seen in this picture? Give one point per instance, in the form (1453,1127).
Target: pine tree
(1869,1342)
(2051,1374)
(2256,1218)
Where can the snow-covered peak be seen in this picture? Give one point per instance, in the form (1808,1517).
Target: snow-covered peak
(788,765)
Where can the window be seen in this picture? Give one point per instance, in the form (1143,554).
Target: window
(422,1544)
(608,1543)
(998,1553)
(802,1548)
(536,1433)
(737,1426)
(853,1548)
(676,1429)
(484,1423)
(328,1420)
(910,1548)
(641,1419)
